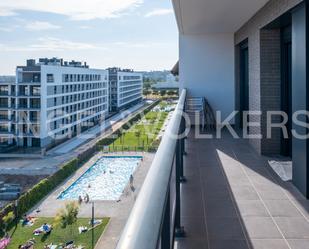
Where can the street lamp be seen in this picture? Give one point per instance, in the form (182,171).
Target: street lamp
(92,226)
(92,220)
(16,211)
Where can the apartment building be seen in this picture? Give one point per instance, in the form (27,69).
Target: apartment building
(125,87)
(6,88)
(52,100)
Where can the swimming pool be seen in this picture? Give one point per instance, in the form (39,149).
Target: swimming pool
(104,180)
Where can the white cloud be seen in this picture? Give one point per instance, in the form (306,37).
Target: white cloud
(138,44)
(55,44)
(159,12)
(50,44)
(39,26)
(7,12)
(75,9)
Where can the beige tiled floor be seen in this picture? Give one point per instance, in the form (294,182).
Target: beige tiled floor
(233,199)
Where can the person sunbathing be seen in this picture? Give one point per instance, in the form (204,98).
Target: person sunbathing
(46,228)
(28,245)
(27,220)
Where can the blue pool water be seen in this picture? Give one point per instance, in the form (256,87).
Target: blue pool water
(105,180)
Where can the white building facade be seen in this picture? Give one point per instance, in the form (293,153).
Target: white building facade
(6,88)
(54,100)
(126,88)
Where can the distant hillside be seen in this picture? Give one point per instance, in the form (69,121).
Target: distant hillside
(155,76)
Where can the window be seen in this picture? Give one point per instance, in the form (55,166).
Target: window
(23,90)
(35,103)
(23,103)
(50,78)
(66,78)
(34,116)
(35,90)
(4,90)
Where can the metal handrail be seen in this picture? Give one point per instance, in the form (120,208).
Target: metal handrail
(144,226)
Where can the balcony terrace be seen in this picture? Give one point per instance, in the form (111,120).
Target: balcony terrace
(231,198)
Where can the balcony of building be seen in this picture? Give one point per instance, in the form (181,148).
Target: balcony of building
(35,103)
(4,90)
(233,199)
(29,78)
(205,193)
(4,103)
(4,116)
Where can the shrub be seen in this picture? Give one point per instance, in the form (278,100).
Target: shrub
(66,218)
(7,220)
(45,186)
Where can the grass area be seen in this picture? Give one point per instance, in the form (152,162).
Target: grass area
(142,134)
(58,235)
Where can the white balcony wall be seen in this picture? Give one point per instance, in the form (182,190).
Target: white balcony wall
(206,69)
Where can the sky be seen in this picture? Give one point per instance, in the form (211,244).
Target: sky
(137,34)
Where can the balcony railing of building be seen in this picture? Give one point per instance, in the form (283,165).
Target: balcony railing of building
(29,81)
(154,221)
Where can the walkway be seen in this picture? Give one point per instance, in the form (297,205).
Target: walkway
(233,200)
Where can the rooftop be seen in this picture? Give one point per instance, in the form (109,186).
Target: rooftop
(118,69)
(55,62)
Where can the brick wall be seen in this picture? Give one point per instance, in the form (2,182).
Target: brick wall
(270,87)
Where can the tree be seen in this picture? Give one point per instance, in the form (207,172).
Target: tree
(147,84)
(170,93)
(162,92)
(7,220)
(146,92)
(154,91)
(67,217)
(138,135)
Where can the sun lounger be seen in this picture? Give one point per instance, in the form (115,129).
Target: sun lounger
(52,246)
(82,229)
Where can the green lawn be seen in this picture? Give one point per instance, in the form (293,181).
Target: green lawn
(142,134)
(58,235)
